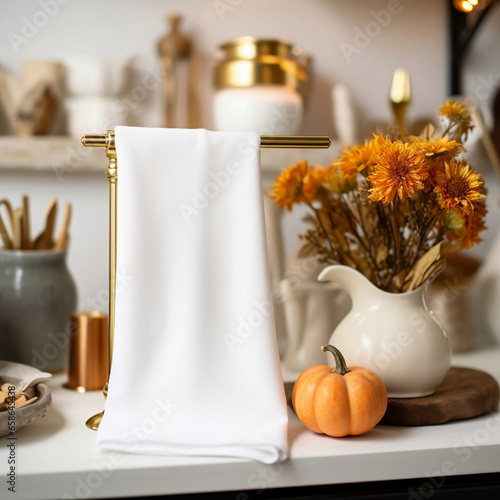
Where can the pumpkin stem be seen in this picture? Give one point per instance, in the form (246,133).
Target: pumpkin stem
(340,364)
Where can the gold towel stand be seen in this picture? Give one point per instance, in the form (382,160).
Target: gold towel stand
(107,141)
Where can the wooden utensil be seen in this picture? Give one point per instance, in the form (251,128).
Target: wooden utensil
(7,241)
(44,240)
(10,210)
(17,229)
(62,241)
(26,242)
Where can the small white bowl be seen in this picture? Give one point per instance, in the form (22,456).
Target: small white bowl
(26,379)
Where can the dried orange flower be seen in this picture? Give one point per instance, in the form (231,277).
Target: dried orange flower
(356,222)
(458,187)
(399,170)
(459,116)
(378,143)
(442,149)
(313,183)
(454,111)
(337,182)
(474,224)
(288,187)
(355,159)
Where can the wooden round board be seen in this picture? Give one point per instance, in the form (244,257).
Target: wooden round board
(464,393)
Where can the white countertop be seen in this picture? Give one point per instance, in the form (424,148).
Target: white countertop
(58,458)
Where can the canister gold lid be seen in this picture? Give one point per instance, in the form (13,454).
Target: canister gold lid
(249,61)
(89,352)
(249,47)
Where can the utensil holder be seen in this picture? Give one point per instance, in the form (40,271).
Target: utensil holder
(37,298)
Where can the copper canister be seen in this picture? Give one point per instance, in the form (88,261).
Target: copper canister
(89,353)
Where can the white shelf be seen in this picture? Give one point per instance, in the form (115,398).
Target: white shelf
(58,457)
(52,154)
(67,154)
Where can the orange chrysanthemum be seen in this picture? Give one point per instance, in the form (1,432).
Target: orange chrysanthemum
(434,199)
(440,149)
(288,187)
(433,168)
(336,182)
(355,159)
(454,110)
(458,187)
(313,183)
(436,152)
(474,224)
(399,170)
(378,143)
(458,115)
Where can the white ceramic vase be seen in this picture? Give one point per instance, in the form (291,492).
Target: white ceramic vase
(393,334)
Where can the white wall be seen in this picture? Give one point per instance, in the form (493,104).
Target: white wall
(88,246)
(416,38)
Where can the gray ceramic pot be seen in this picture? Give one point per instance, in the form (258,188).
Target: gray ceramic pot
(37,298)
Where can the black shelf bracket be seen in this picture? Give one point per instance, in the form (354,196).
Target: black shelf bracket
(462,27)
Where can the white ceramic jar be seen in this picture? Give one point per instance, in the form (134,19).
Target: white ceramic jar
(266,109)
(260,87)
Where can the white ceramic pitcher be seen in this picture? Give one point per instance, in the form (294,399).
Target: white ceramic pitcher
(393,334)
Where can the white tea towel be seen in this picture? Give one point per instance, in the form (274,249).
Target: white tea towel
(195,364)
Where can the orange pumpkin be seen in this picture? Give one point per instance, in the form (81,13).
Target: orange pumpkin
(339,402)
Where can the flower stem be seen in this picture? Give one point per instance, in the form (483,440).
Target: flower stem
(396,235)
(318,218)
(354,223)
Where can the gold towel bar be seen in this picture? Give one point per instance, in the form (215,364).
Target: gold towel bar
(107,141)
(267,141)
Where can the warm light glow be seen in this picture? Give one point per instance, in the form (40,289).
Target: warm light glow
(469,5)
(463,5)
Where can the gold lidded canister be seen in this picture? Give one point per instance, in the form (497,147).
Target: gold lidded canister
(89,352)
(249,61)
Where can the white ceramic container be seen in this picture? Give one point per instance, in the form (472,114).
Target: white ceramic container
(266,109)
(393,334)
(89,114)
(93,77)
